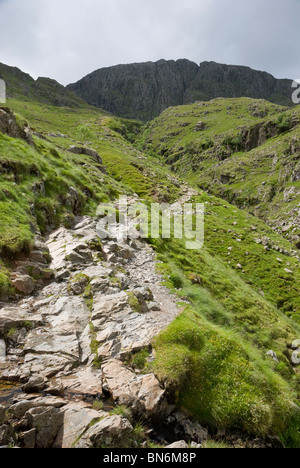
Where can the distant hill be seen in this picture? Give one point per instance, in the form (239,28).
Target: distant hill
(45,90)
(144,90)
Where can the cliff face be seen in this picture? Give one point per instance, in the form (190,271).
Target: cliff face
(138,90)
(144,90)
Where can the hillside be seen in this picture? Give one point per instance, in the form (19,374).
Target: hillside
(243,150)
(45,90)
(95,342)
(143,90)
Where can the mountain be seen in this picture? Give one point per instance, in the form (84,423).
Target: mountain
(141,342)
(21,85)
(143,90)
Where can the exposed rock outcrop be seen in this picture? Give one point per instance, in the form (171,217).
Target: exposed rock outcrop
(10,127)
(144,90)
(69,347)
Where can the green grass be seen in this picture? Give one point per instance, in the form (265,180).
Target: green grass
(221,380)
(98,405)
(35,180)
(131,170)
(140,359)
(213,356)
(247,154)
(211,444)
(123,411)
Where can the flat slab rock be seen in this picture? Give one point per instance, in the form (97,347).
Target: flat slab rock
(85,381)
(142,393)
(13,317)
(47,365)
(108,431)
(77,418)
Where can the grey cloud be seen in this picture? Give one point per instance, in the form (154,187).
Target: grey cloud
(67,39)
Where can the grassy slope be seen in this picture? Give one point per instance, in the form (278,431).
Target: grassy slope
(214,157)
(22,86)
(214,355)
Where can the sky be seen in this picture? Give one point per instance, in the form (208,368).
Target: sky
(67,39)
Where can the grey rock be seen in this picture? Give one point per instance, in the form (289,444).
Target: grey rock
(2,413)
(47,365)
(178,445)
(43,341)
(192,430)
(142,393)
(195,445)
(4,435)
(28,439)
(200,126)
(19,409)
(2,350)
(9,125)
(271,354)
(38,256)
(47,422)
(87,151)
(24,284)
(152,87)
(86,381)
(110,431)
(77,418)
(14,317)
(35,384)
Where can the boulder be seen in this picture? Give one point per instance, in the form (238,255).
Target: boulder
(47,422)
(111,431)
(200,126)
(9,125)
(178,445)
(87,151)
(142,393)
(19,409)
(24,284)
(4,435)
(192,430)
(271,354)
(77,419)
(2,413)
(27,439)
(35,384)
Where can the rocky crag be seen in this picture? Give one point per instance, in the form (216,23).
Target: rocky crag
(143,90)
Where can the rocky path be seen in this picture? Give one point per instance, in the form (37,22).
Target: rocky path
(69,347)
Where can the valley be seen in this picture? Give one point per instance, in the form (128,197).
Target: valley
(146,343)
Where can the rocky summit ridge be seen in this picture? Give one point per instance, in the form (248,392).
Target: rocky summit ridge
(143,90)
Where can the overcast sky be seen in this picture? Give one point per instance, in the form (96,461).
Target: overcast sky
(67,39)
